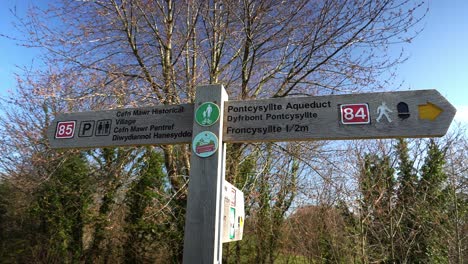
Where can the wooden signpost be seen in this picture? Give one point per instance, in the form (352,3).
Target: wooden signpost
(213,121)
(421,113)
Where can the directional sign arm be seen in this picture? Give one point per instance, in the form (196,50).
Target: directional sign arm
(366,116)
(156,125)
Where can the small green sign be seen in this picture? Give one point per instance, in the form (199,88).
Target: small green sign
(207,114)
(205,144)
(232,223)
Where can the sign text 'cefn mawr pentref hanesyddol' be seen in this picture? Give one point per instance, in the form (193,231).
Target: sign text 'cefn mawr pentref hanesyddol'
(124,127)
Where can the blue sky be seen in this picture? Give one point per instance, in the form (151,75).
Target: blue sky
(438,57)
(12,56)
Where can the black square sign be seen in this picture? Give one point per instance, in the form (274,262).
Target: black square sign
(103,127)
(86,128)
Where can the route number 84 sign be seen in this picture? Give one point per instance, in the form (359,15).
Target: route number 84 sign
(354,114)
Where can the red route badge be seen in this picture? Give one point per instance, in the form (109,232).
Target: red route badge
(354,114)
(65,129)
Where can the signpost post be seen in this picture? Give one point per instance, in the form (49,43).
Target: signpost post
(203,229)
(213,121)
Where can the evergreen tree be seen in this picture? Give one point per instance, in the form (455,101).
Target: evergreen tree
(377,185)
(144,192)
(61,210)
(406,201)
(432,209)
(404,220)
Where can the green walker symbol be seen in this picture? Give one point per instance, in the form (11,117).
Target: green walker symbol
(207,114)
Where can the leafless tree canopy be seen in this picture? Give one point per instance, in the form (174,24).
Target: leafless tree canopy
(140,52)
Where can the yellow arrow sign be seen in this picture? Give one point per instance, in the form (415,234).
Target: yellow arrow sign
(429,111)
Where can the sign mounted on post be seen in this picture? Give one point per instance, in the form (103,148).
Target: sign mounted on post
(205,144)
(123,127)
(233,213)
(423,113)
(354,114)
(65,129)
(207,114)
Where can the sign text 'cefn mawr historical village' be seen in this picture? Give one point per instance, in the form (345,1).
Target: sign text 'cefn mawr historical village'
(127,128)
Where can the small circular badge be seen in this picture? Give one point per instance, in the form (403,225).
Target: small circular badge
(205,144)
(207,114)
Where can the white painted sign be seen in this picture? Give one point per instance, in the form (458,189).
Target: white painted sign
(233,213)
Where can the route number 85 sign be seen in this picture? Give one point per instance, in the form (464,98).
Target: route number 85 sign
(65,129)
(354,114)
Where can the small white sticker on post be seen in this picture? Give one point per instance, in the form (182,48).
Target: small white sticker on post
(233,213)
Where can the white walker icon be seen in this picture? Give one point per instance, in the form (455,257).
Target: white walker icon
(207,113)
(382,111)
